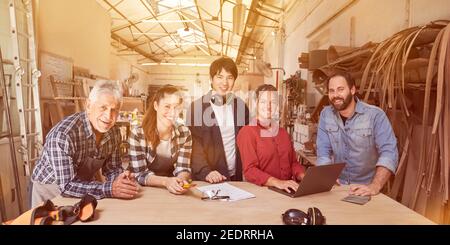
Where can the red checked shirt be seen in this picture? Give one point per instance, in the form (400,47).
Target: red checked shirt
(266,155)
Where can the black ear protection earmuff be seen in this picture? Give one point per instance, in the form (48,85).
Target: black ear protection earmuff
(315,216)
(219,100)
(298,217)
(295,217)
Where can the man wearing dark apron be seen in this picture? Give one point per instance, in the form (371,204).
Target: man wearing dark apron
(79,146)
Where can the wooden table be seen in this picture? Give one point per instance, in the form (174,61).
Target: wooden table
(158,206)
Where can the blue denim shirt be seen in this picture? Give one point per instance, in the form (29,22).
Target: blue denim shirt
(364,142)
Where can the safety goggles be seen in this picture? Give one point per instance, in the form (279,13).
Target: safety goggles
(214,195)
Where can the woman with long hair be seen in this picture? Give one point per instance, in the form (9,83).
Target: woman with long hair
(160,148)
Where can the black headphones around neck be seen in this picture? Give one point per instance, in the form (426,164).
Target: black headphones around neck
(220,100)
(298,217)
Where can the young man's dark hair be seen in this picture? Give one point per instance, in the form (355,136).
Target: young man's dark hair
(348,78)
(225,63)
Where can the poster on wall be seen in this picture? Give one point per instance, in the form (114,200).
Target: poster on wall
(58,66)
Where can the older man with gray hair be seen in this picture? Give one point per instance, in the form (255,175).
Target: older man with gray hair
(81,144)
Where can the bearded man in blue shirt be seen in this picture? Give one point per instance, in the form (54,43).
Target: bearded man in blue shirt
(358,134)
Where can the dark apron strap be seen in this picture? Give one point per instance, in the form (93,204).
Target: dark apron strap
(86,172)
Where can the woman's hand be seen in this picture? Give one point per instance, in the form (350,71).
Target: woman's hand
(215,177)
(175,185)
(288,185)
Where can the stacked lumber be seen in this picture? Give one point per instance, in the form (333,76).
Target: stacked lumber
(352,60)
(303,61)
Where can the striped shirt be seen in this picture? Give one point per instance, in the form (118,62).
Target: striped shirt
(142,155)
(67,147)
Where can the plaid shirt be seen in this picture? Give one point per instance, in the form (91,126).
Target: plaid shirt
(66,149)
(142,154)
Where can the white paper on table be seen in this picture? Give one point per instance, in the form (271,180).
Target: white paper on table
(226,189)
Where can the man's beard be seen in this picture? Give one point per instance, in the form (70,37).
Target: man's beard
(346,102)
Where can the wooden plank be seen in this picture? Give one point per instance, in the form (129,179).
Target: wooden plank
(2,202)
(55,95)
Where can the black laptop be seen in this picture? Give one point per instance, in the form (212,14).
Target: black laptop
(317,179)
